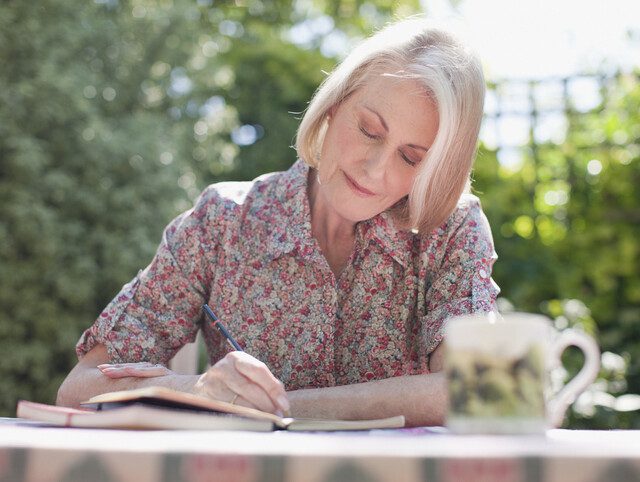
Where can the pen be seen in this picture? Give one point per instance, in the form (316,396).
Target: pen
(218,324)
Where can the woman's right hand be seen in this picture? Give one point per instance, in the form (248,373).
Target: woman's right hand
(244,380)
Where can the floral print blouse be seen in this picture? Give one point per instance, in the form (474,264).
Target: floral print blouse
(247,250)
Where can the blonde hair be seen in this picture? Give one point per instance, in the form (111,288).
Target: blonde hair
(452,76)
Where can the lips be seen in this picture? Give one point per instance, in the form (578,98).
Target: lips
(357,188)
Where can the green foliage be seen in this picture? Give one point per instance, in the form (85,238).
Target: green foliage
(566,227)
(83,196)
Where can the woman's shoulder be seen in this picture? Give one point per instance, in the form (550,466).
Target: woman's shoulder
(467,215)
(466,229)
(235,192)
(231,195)
(254,205)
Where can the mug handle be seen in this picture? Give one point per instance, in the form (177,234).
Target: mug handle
(558,405)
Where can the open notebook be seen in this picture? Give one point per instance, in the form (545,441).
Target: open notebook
(163,408)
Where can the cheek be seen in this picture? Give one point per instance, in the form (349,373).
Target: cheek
(345,145)
(340,141)
(401,183)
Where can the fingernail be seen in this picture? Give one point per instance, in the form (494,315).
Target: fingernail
(284,403)
(104,365)
(279,413)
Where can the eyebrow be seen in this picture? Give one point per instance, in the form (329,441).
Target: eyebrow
(384,124)
(386,128)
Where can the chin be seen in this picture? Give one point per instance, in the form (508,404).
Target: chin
(351,213)
(351,207)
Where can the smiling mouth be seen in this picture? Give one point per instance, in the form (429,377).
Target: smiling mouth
(357,188)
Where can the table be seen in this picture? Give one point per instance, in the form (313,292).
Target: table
(29,452)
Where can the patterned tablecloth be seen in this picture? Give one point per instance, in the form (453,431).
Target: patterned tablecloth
(34,453)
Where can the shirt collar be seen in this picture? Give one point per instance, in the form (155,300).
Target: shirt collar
(395,242)
(294,230)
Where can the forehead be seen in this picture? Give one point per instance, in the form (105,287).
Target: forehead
(403,103)
(382,87)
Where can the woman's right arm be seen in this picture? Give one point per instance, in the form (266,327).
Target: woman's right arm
(236,374)
(85,380)
(161,310)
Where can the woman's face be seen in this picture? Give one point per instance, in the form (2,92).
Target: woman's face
(374,143)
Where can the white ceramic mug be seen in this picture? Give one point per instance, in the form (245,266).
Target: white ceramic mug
(498,371)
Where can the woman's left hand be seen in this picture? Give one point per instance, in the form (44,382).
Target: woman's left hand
(140,370)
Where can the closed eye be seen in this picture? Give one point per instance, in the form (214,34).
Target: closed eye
(408,160)
(368,134)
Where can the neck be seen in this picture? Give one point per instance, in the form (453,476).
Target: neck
(327,226)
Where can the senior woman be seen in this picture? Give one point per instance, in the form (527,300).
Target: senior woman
(336,276)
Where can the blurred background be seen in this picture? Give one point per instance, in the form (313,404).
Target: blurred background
(114,114)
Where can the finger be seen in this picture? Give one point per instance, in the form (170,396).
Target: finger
(252,393)
(143,370)
(136,371)
(259,373)
(124,365)
(245,403)
(223,382)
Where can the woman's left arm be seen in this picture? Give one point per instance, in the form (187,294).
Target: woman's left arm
(422,399)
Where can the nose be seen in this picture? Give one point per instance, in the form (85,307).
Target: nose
(377,162)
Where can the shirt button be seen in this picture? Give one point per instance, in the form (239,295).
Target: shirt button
(483,273)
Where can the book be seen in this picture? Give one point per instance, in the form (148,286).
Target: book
(163,408)
(137,417)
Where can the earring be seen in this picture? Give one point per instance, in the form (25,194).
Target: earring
(317,168)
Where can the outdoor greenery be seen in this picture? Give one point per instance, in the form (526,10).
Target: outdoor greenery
(566,225)
(114,114)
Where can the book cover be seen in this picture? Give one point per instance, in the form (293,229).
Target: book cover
(138,417)
(163,408)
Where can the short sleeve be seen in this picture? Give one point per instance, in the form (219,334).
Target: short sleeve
(160,309)
(462,282)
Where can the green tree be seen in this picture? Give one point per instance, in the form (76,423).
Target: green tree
(83,194)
